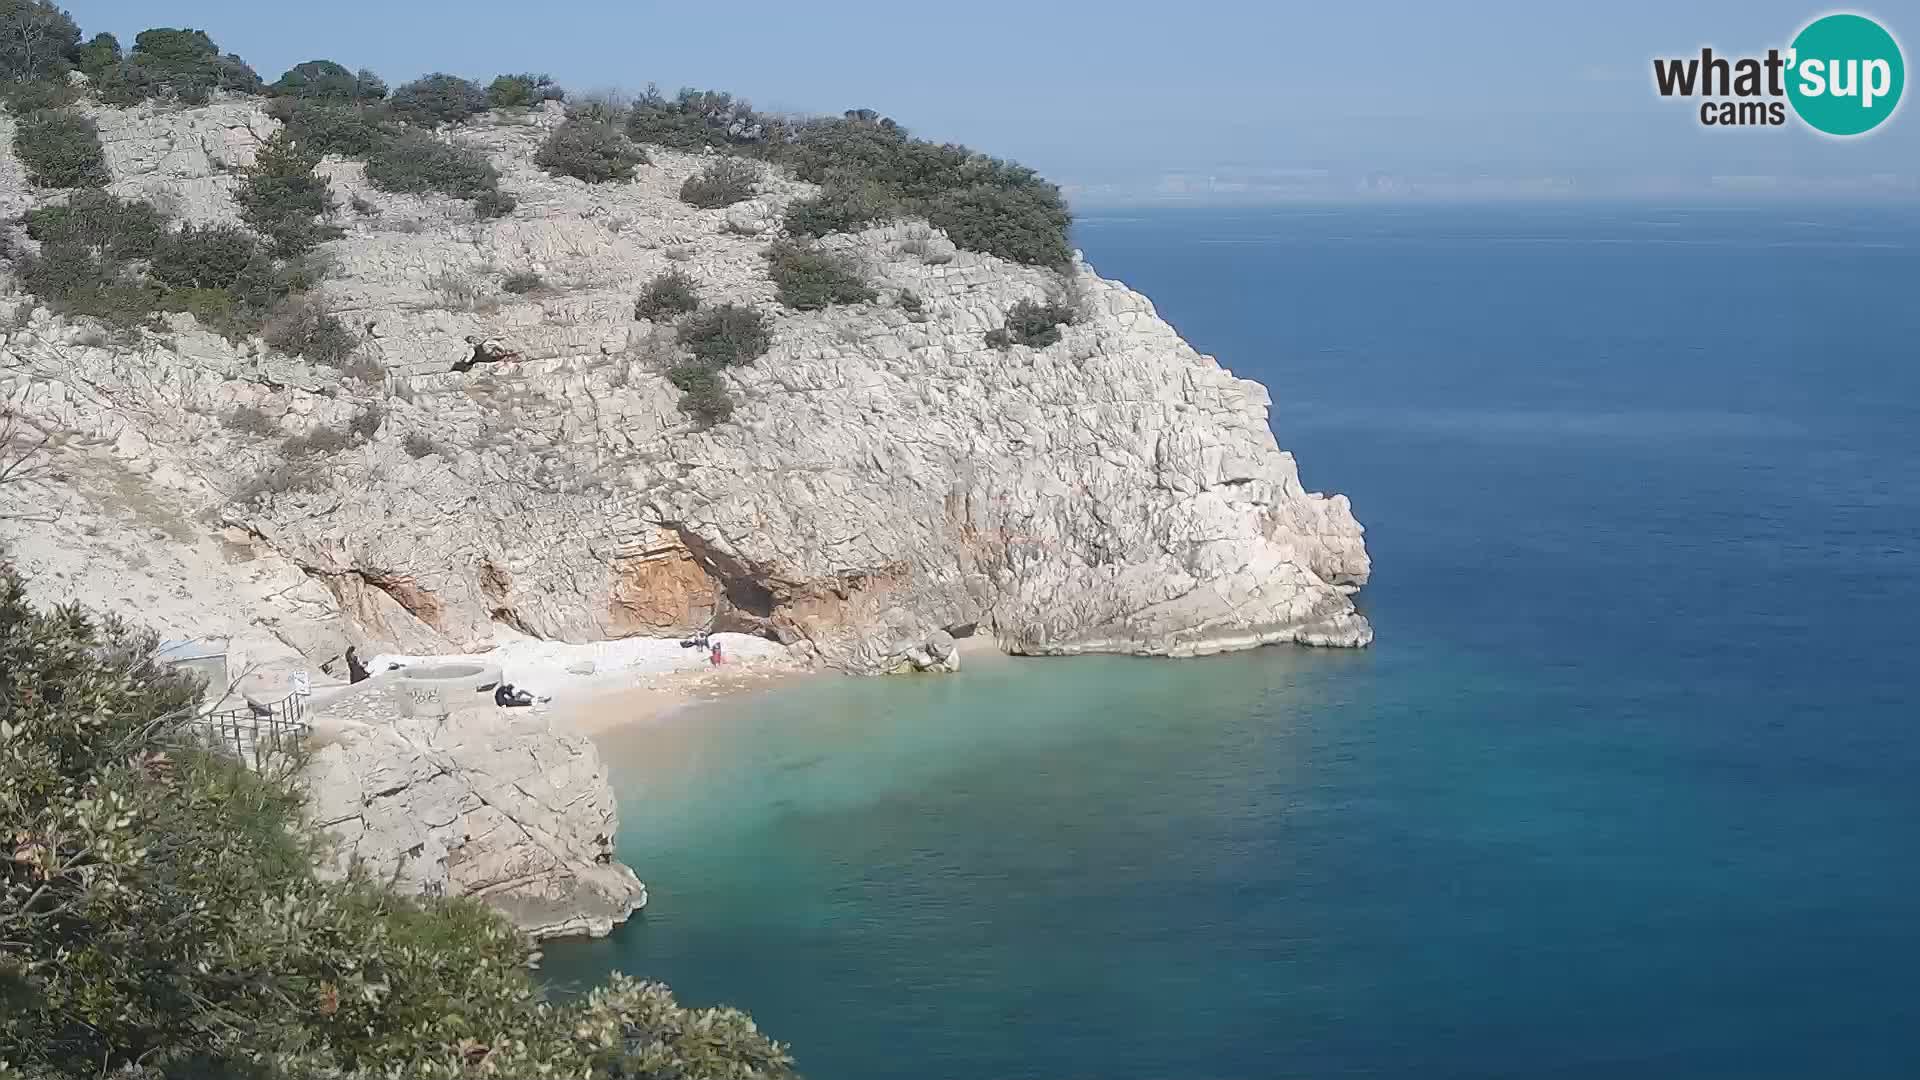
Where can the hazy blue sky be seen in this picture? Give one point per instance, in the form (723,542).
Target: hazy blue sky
(1503,95)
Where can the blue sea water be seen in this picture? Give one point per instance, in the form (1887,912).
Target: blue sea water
(1628,787)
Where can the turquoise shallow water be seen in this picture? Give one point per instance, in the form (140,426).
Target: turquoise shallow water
(1626,787)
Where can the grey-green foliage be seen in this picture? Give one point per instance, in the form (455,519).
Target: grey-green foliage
(523,91)
(284,199)
(723,182)
(727,335)
(870,168)
(327,81)
(1033,325)
(160,916)
(695,119)
(36,40)
(61,149)
(591,151)
(176,65)
(667,297)
(437,100)
(808,280)
(416,163)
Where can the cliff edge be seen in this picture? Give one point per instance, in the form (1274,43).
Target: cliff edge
(886,474)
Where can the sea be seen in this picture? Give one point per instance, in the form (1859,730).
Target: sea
(1629,785)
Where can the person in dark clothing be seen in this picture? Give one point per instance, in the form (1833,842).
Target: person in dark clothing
(356,671)
(507,696)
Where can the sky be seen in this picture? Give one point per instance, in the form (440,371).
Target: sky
(1136,101)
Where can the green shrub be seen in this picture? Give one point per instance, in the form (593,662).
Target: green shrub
(36,38)
(696,119)
(283,199)
(722,183)
(437,101)
(1024,225)
(494,204)
(416,163)
(179,65)
(162,916)
(303,328)
(523,91)
(61,149)
(100,52)
(1034,325)
(910,302)
(316,80)
(25,97)
(330,83)
(74,279)
(590,151)
(870,168)
(808,280)
(347,130)
(522,282)
(727,335)
(667,297)
(598,106)
(204,257)
(846,204)
(703,393)
(121,228)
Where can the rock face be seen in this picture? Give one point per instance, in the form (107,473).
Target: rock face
(488,803)
(886,476)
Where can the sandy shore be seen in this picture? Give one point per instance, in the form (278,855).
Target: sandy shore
(605,684)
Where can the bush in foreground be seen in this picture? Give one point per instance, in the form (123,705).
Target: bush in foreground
(586,150)
(523,91)
(283,199)
(326,81)
(159,914)
(36,37)
(328,128)
(61,149)
(174,65)
(667,297)
(703,393)
(727,335)
(808,280)
(722,183)
(1034,325)
(696,119)
(416,163)
(437,100)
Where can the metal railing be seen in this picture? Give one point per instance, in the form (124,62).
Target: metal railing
(256,733)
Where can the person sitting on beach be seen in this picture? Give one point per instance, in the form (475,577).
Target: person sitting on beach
(507,696)
(716,656)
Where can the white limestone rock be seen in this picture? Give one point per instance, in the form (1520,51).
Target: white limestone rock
(489,803)
(886,474)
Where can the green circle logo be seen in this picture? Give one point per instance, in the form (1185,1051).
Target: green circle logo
(1846,74)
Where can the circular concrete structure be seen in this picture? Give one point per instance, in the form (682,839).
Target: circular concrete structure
(438,689)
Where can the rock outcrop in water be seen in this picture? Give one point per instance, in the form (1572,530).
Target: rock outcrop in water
(887,476)
(488,803)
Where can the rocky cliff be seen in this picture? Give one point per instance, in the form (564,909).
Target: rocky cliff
(489,803)
(887,474)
